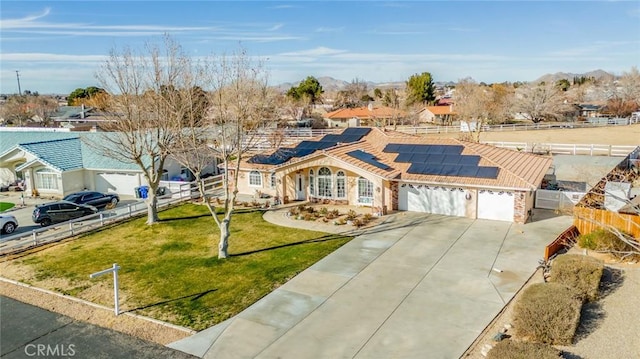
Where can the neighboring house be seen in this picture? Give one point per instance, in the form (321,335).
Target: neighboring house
(78,118)
(58,163)
(389,171)
(589,110)
(441,115)
(363,116)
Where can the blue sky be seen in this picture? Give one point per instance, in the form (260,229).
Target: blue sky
(58,45)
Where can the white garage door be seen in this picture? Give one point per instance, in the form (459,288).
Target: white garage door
(427,199)
(120,183)
(497,205)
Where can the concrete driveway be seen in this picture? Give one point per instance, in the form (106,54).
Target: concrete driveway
(416,286)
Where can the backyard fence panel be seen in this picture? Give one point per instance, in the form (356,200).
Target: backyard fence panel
(588,220)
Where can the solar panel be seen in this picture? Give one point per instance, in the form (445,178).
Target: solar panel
(419,158)
(306,144)
(349,139)
(416,168)
(435,158)
(436,149)
(322,145)
(356,131)
(392,147)
(406,148)
(469,160)
(487,172)
(404,157)
(367,158)
(453,149)
(468,171)
(432,169)
(301,152)
(451,159)
(331,138)
(449,170)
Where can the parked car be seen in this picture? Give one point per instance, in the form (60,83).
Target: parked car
(8,223)
(60,211)
(95,199)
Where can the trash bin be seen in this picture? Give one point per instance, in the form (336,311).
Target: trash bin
(144,191)
(137,192)
(161,191)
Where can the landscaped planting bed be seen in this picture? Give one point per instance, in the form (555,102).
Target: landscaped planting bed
(580,272)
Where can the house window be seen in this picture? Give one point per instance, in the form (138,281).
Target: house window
(365,191)
(255,179)
(272,180)
(312,184)
(325,182)
(341,185)
(46,179)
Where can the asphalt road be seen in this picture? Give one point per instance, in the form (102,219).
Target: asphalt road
(27,331)
(26,224)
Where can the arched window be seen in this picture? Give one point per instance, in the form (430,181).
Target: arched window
(312,184)
(325,184)
(341,181)
(365,191)
(255,179)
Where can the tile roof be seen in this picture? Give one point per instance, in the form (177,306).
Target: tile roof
(63,154)
(364,113)
(63,150)
(517,170)
(440,110)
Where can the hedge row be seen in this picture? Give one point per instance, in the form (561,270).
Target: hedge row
(582,273)
(510,349)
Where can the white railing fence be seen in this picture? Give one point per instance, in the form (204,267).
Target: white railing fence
(178,192)
(567,149)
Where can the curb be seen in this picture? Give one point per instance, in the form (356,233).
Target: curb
(98,306)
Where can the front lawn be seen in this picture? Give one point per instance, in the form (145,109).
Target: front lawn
(5,206)
(170,271)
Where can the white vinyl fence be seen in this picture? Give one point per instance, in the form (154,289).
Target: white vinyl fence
(178,192)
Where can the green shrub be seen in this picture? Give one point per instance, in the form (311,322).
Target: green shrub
(547,313)
(602,240)
(351,215)
(324,211)
(582,273)
(510,349)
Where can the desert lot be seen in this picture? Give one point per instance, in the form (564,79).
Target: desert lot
(612,135)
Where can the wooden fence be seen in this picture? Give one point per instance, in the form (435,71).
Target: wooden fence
(564,240)
(588,220)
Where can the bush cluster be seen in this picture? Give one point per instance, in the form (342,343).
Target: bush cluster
(602,240)
(510,349)
(582,273)
(547,313)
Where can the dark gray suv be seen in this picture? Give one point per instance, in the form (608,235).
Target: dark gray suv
(60,211)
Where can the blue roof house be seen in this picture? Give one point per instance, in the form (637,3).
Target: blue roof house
(58,163)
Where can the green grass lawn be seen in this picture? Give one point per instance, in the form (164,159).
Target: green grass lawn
(5,206)
(170,271)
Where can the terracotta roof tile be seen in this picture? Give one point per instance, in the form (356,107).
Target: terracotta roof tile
(364,113)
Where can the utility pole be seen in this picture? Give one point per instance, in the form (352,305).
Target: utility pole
(18,77)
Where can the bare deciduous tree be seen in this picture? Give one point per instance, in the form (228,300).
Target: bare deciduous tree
(540,102)
(240,105)
(144,109)
(472,105)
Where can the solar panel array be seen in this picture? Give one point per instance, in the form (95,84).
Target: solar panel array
(440,160)
(305,148)
(368,158)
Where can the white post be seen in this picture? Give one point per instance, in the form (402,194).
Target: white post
(113,269)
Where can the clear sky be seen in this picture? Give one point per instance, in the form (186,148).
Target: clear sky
(57,46)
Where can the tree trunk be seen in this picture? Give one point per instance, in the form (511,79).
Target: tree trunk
(224,238)
(152,207)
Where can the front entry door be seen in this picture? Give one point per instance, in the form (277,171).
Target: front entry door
(301,193)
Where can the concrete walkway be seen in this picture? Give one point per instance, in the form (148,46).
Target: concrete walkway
(415,286)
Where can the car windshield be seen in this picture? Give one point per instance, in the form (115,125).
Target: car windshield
(71,197)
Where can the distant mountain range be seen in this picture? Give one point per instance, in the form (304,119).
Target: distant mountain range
(329,84)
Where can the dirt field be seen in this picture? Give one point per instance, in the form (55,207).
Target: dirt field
(614,135)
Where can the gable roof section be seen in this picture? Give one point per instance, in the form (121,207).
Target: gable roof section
(440,110)
(516,170)
(63,154)
(363,113)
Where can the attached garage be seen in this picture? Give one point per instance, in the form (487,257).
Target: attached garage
(496,205)
(118,182)
(449,201)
